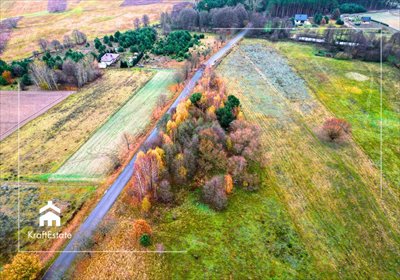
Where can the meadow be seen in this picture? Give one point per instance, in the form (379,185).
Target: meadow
(351,90)
(50,139)
(332,192)
(38,23)
(95,158)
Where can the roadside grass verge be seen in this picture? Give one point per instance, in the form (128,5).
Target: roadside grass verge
(47,141)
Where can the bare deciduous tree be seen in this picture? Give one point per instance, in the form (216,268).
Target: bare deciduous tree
(56,45)
(79,37)
(43,44)
(43,76)
(188,19)
(145,20)
(136,23)
(67,41)
(128,139)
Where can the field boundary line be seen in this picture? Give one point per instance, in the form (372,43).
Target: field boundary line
(100,125)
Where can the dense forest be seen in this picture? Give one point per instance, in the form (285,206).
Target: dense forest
(283,8)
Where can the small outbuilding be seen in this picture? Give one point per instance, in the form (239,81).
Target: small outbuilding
(300,19)
(109,58)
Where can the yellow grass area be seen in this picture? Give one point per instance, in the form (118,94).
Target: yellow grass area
(132,264)
(94,18)
(332,192)
(47,141)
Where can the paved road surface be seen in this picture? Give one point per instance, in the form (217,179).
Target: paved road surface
(66,257)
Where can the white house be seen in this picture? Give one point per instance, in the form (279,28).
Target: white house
(49,216)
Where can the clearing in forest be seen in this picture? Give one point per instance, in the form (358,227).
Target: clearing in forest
(97,157)
(331,191)
(48,140)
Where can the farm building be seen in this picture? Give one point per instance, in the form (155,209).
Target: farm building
(300,19)
(108,59)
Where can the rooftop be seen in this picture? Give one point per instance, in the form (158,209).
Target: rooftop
(109,57)
(300,17)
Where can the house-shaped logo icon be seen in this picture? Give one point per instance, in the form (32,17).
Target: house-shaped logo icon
(49,216)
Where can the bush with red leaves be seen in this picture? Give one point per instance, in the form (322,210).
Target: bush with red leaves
(336,130)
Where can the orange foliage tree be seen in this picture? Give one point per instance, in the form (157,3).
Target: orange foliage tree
(228,183)
(141,227)
(7,76)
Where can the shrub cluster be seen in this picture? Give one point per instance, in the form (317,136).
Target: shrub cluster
(16,69)
(351,8)
(194,150)
(176,44)
(336,130)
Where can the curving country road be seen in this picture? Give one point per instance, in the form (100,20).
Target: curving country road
(67,256)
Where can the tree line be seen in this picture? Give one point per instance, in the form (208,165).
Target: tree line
(283,8)
(193,19)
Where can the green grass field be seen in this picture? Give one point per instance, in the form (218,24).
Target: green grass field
(356,101)
(96,157)
(332,192)
(50,139)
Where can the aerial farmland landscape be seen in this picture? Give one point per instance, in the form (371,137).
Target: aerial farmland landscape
(152,139)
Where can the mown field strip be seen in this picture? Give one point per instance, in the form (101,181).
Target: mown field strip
(96,157)
(331,192)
